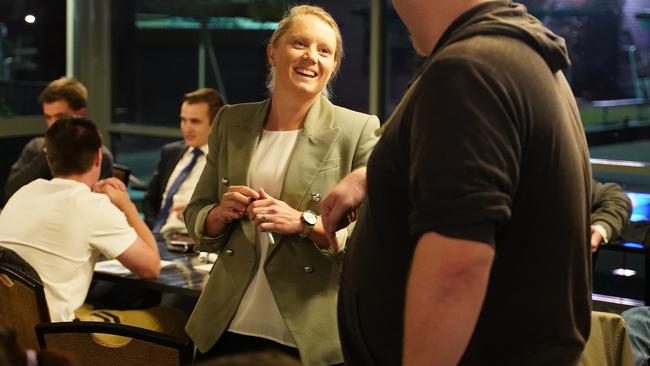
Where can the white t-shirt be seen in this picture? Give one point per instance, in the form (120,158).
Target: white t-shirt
(186,189)
(258,314)
(59,227)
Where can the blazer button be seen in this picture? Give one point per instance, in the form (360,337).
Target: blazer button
(225,181)
(315,196)
(230,252)
(308,269)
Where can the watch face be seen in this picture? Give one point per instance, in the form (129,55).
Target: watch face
(310,218)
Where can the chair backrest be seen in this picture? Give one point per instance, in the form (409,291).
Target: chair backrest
(122,172)
(23,302)
(84,340)
(608,343)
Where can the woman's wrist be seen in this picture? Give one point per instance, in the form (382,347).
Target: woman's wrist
(317,235)
(215,225)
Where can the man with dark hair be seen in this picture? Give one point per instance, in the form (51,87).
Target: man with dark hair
(71,149)
(60,226)
(61,98)
(162,209)
(473,245)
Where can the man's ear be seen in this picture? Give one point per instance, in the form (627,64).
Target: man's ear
(270,54)
(47,158)
(98,158)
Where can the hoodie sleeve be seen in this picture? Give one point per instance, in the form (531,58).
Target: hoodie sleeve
(462,132)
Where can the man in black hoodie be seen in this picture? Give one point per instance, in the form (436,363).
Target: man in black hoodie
(473,245)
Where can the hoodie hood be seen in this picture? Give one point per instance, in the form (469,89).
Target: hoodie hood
(504,18)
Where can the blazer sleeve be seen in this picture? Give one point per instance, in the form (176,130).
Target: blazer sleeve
(206,193)
(610,207)
(367,140)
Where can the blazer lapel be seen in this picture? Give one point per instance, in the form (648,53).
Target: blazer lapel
(314,144)
(242,139)
(171,164)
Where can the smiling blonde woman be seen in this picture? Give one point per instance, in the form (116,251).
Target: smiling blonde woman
(257,203)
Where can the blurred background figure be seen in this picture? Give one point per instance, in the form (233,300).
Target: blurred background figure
(12,355)
(61,98)
(610,212)
(181,163)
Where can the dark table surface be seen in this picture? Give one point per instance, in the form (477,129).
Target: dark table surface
(182,278)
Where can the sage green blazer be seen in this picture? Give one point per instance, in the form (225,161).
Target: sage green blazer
(304,279)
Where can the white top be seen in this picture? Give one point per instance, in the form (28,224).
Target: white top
(59,227)
(186,189)
(258,314)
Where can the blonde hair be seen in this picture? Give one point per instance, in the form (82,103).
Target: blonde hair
(284,24)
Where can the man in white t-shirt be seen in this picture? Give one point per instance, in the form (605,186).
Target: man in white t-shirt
(60,226)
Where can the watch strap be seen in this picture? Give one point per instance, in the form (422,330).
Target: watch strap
(308,226)
(306,230)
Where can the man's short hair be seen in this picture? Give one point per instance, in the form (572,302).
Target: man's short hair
(205,95)
(71,146)
(67,89)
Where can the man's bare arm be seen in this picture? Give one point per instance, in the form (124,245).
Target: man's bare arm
(445,292)
(142,257)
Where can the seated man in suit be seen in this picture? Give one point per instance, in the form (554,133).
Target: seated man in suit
(61,226)
(63,97)
(181,163)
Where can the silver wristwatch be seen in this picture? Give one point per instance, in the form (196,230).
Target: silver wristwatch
(310,219)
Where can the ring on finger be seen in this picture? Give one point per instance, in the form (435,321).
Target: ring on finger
(264,218)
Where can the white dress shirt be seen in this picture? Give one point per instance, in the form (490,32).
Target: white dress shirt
(186,189)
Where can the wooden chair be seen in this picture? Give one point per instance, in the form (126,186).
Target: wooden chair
(84,341)
(23,302)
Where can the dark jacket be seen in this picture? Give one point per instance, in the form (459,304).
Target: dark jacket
(32,165)
(610,207)
(170,154)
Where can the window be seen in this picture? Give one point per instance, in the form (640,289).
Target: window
(32,52)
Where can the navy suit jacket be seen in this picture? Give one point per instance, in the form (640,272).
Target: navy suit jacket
(170,154)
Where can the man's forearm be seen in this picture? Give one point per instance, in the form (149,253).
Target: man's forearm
(445,293)
(339,206)
(134,220)
(360,177)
